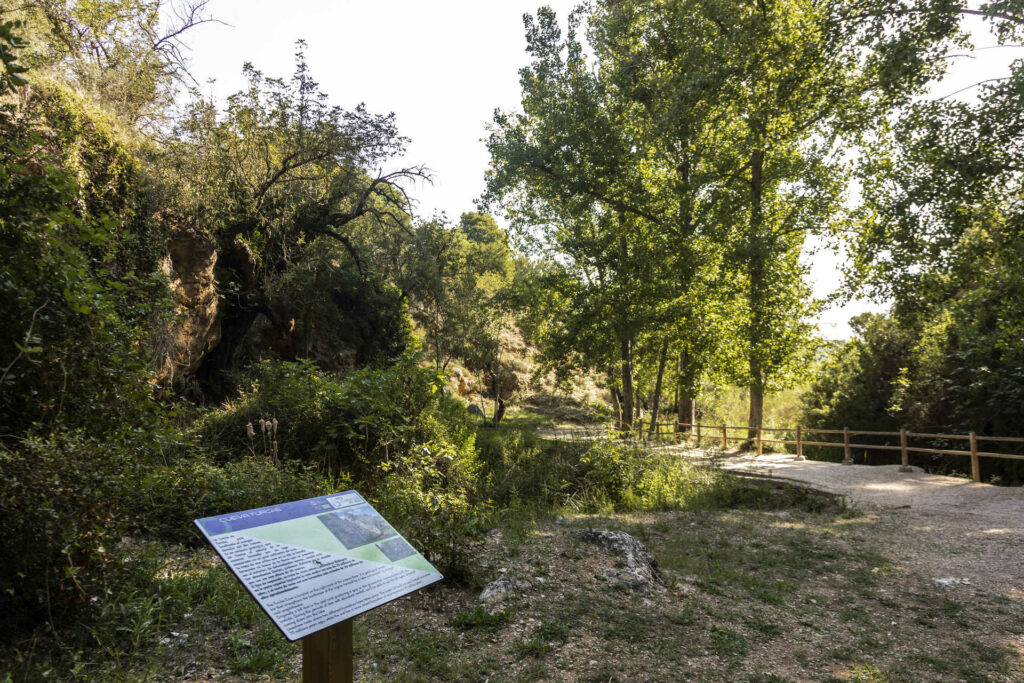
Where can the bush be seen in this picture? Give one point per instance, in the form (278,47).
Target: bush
(58,518)
(338,424)
(613,473)
(168,498)
(522,471)
(388,432)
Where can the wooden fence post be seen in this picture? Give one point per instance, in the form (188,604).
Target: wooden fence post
(759,441)
(698,435)
(725,437)
(847,460)
(975,465)
(327,655)
(904,455)
(799,445)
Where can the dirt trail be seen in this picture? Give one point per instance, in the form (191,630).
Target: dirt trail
(951,528)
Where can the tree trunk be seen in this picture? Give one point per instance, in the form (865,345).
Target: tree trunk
(626,349)
(756,416)
(499,413)
(499,405)
(617,400)
(656,404)
(755,296)
(685,405)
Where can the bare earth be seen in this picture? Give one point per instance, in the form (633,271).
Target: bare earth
(947,526)
(950,527)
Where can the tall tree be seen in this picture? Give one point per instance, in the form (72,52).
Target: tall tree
(581,181)
(780,87)
(452,276)
(277,170)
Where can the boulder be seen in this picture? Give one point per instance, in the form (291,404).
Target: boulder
(498,590)
(635,567)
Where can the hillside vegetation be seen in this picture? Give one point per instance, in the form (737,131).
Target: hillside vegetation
(216,305)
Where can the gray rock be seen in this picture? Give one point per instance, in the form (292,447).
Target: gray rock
(636,568)
(497,590)
(474,409)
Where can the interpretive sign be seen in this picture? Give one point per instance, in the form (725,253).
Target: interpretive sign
(313,563)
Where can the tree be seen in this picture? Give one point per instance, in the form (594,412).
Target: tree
(941,233)
(128,55)
(279,169)
(766,95)
(452,275)
(571,172)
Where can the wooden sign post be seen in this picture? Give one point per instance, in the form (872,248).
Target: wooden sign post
(327,655)
(313,565)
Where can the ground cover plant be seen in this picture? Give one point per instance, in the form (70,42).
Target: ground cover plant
(779,586)
(215,301)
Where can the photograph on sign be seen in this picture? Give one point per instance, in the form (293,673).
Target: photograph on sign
(316,562)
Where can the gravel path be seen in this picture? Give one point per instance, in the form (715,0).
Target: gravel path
(951,528)
(885,486)
(946,526)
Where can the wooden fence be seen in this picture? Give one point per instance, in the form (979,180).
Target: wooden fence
(720,433)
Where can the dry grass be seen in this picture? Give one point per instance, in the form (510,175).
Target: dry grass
(754,596)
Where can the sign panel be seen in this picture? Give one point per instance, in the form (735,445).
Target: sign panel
(313,563)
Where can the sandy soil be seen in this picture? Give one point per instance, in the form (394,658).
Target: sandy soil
(949,527)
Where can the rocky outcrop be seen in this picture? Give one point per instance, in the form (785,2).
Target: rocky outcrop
(635,567)
(189,268)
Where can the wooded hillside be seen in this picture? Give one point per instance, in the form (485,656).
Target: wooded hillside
(214,305)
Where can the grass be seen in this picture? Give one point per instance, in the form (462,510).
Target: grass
(766,583)
(755,594)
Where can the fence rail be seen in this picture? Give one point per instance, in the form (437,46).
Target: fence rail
(720,433)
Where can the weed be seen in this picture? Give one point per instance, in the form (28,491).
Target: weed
(480,619)
(727,642)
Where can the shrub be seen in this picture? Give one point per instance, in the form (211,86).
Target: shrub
(168,497)
(612,473)
(519,467)
(388,432)
(58,518)
(338,424)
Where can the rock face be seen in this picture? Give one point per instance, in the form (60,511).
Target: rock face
(636,568)
(188,266)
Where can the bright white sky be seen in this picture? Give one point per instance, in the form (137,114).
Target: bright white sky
(443,67)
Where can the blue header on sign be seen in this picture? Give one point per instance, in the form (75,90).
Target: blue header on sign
(248,519)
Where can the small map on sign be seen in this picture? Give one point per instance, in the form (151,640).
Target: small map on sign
(316,562)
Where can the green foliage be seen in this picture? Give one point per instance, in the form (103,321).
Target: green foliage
(457,277)
(167,498)
(269,181)
(613,471)
(940,233)
(523,473)
(388,432)
(74,281)
(10,41)
(480,619)
(341,317)
(60,519)
(942,375)
(126,55)
(855,387)
(348,424)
